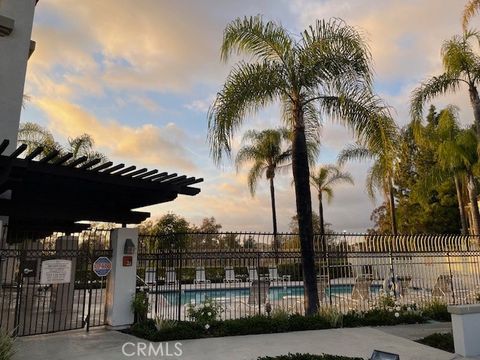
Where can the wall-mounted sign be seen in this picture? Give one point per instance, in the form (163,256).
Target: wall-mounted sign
(56,271)
(102,266)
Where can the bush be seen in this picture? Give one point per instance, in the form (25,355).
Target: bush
(436,310)
(205,313)
(439,341)
(307,357)
(140,306)
(6,346)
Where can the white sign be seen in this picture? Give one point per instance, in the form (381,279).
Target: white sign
(56,271)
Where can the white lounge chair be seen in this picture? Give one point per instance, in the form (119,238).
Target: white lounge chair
(274,276)
(361,288)
(230,275)
(200,277)
(323,282)
(252,273)
(170,276)
(443,286)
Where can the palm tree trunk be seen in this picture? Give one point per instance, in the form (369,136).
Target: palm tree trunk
(303,199)
(391,200)
(475,101)
(322,223)
(472,195)
(274,219)
(461,207)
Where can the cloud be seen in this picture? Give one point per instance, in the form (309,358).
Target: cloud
(201,105)
(147,144)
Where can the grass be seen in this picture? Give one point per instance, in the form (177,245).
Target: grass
(439,341)
(308,357)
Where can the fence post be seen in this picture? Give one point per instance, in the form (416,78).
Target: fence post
(327,259)
(179,258)
(392,270)
(258,282)
(451,277)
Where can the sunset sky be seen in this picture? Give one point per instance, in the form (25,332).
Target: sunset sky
(139,76)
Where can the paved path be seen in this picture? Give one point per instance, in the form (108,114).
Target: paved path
(417,331)
(102,344)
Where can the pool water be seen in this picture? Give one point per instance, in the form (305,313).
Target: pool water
(275,293)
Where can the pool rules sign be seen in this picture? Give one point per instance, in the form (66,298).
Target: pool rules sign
(56,271)
(102,266)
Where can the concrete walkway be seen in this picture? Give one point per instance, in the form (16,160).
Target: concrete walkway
(102,344)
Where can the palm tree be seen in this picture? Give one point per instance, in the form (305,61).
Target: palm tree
(461,66)
(327,70)
(380,176)
(470,10)
(323,180)
(34,135)
(269,151)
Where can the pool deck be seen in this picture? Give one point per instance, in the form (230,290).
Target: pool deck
(102,344)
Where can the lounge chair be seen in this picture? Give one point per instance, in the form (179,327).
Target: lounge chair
(170,276)
(402,284)
(443,286)
(361,288)
(230,275)
(274,276)
(252,273)
(200,277)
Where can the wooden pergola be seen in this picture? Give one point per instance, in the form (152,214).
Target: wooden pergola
(53,192)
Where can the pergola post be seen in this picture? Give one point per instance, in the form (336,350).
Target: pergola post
(121,283)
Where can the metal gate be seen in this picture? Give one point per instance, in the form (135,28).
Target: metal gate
(30,305)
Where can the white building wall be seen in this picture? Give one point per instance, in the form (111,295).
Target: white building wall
(14,51)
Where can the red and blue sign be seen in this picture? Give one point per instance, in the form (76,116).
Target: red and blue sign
(102,266)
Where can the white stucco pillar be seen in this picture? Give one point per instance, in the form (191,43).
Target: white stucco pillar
(14,50)
(466,327)
(122,280)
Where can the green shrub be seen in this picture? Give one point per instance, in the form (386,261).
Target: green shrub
(439,341)
(332,315)
(140,306)
(436,310)
(307,357)
(6,346)
(205,313)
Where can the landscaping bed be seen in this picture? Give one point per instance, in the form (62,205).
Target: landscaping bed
(308,357)
(440,341)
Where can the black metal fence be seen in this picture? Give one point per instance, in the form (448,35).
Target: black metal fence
(256,273)
(28,306)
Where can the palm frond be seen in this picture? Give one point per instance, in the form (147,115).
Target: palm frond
(354,152)
(255,173)
(253,36)
(248,88)
(428,90)
(470,10)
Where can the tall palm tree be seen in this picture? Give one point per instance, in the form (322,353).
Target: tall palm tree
(461,66)
(380,176)
(269,150)
(327,69)
(470,10)
(323,180)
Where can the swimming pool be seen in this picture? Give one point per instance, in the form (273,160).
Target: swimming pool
(197,296)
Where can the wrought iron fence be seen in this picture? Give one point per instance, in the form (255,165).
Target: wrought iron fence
(28,306)
(258,273)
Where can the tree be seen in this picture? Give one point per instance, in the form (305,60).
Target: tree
(327,70)
(323,180)
(269,151)
(34,135)
(168,232)
(208,230)
(461,66)
(381,174)
(470,10)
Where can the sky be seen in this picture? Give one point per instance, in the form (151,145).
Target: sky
(139,77)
